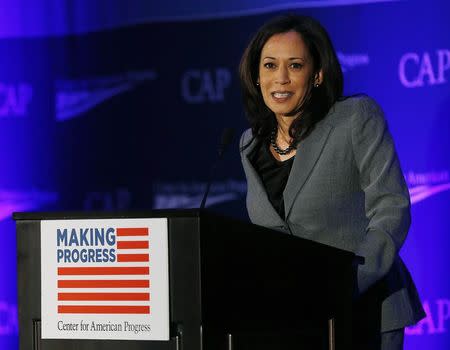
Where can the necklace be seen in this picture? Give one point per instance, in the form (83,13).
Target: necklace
(277,149)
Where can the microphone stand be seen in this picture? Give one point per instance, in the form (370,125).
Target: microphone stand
(227,136)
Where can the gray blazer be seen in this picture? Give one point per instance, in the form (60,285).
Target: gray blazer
(346,189)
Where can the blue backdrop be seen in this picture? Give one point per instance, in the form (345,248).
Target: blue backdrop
(115,105)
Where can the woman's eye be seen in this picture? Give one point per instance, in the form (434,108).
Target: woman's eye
(296,65)
(269,65)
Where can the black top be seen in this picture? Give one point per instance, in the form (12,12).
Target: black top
(273,173)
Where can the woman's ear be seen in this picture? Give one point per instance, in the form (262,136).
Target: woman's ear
(318,78)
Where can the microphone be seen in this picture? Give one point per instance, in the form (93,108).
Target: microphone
(225,140)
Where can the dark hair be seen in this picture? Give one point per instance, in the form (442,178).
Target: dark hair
(317,101)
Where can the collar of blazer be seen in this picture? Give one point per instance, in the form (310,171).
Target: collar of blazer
(308,153)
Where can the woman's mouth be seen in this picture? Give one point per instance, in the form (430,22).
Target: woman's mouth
(281,96)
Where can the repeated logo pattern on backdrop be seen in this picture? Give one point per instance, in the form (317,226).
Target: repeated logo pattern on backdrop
(420,69)
(15,99)
(129,118)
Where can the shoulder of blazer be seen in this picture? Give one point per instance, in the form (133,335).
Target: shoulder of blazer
(342,112)
(340,115)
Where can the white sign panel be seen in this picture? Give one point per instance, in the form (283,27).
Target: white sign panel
(105,279)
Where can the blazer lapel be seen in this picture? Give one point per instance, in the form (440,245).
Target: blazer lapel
(254,180)
(308,152)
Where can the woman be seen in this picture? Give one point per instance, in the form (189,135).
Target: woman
(324,167)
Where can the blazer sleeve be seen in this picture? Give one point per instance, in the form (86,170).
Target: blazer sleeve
(387,203)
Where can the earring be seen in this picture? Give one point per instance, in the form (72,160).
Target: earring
(316,85)
(257,83)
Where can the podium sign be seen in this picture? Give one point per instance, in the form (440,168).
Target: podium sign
(105,279)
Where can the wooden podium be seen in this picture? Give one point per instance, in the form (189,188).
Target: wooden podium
(233,285)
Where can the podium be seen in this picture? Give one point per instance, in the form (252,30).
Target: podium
(232,286)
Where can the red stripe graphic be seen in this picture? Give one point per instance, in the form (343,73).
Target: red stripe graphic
(104,296)
(103,284)
(132,257)
(132,244)
(132,231)
(142,270)
(103,309)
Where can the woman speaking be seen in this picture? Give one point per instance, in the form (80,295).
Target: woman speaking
(324,167)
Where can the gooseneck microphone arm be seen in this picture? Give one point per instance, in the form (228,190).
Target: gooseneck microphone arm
(227,136)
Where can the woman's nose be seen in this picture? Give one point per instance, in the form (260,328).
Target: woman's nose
(283,76)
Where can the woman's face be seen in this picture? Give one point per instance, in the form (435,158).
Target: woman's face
(285,70)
